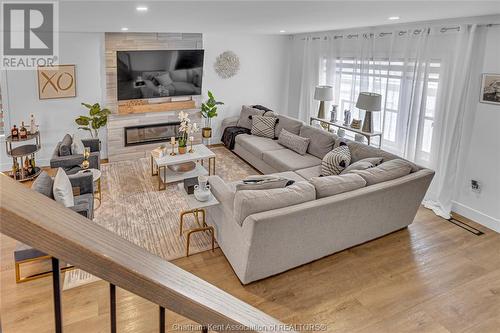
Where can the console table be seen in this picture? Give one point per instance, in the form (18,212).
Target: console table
(23,152)
(367,135)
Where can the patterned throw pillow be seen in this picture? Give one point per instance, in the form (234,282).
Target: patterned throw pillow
(263,126)
(336,160)
(294,142)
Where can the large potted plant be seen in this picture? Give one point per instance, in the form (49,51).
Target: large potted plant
(186,129)
(209,111)
(96,119)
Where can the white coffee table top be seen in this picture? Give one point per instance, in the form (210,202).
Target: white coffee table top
(194,203)
(96,174)
(200,152)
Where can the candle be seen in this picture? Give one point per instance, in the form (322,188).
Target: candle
(172,140)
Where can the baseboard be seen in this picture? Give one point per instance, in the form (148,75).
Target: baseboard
(476,216)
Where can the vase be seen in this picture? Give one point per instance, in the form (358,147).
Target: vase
(206,131)
(182,150)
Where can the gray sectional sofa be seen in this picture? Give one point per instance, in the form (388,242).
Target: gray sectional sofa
(266,232)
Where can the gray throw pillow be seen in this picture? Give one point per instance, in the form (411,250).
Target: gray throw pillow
(332,185)
(164,79)
(263,126)
(246,115)
(336,161)
(43,184)
(321,141)
(386,171)
(363,164)
(65,146)
(294,142)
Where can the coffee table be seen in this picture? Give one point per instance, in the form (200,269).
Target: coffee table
(159,165)
(197,209)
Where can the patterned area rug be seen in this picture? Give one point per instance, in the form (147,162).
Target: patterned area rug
(133,208)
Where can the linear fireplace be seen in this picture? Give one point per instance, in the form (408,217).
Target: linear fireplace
(146,134)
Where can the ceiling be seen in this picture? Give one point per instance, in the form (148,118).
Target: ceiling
(261,17)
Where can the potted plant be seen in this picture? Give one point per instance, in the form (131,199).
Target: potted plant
(186,129)
(96,119)
(209,111)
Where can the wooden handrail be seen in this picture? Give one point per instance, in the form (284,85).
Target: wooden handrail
(44,224)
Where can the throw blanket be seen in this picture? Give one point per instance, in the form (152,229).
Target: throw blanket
(230,134)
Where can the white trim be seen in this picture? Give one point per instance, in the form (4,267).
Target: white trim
(476,216)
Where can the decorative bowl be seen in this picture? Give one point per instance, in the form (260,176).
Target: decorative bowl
(183,167)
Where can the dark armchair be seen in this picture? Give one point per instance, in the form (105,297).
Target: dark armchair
(63,157)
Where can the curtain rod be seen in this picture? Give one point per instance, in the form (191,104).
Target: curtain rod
(400,33)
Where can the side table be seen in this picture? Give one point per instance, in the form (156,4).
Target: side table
(197,209)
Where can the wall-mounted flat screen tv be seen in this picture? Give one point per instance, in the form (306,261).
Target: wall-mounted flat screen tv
(161,73)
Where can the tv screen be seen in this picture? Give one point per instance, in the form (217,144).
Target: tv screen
(161,73)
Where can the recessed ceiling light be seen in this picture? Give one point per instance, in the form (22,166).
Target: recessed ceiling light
(124,29)
(141,8)
(282,31)
(393,18)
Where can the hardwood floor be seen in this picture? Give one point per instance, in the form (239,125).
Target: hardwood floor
(431,277)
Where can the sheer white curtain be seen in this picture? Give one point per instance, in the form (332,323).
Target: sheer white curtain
(423,75)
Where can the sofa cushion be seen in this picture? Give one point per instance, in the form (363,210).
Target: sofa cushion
(245,116)
(179,75)
(164,79)
(288,160)
(257,145)
(251,202)
(309,173)
(290,124)
(43,184)
(332,185)
(321,141)
(65,145)
(63,191)
(386,171)
(263,126)
(336,161)
(360,151)
(363,164)
(294,142)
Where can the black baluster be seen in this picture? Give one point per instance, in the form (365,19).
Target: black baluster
(56,289)
(112,306)
(162,319)
(204,329)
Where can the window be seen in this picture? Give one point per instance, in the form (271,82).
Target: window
(394,79)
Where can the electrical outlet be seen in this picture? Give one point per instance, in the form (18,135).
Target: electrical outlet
(475,186)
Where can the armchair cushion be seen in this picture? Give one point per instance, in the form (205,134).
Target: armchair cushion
(65,146)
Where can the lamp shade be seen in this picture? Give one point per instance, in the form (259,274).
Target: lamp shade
(323,93)
(369,101)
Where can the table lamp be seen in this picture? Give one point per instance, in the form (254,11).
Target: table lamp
(322,94)
(370,102)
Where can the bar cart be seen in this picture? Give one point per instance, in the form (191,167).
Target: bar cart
(23,156)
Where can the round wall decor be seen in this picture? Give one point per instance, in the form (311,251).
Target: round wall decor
(227,64)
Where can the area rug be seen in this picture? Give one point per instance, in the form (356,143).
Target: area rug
(133,208)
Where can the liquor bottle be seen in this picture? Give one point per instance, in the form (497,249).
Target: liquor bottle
(23,132)
(26,166)
(14,132)
(33,128)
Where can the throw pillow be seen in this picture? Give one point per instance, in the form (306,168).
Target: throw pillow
(247,203)
(263,126)
(246,116)
(77,146)
(164,79)
(63,191)
(363,164)
(43,184)
(332,185)
(294,142)
(336,161)
(65,146)
(386,171)
(263,183)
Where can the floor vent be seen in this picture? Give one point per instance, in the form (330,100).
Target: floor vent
(466,226)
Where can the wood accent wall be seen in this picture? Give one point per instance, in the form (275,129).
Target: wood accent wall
(143,41)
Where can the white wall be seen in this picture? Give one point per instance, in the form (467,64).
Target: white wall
(261,79)
(56,117)
(482,158)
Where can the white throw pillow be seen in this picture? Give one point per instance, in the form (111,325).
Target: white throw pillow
(77,146)
(63,191)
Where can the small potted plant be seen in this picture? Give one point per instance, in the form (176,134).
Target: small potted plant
(209,111)
(96,119)
(186,129)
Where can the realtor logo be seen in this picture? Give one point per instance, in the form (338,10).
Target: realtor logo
(29,35)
